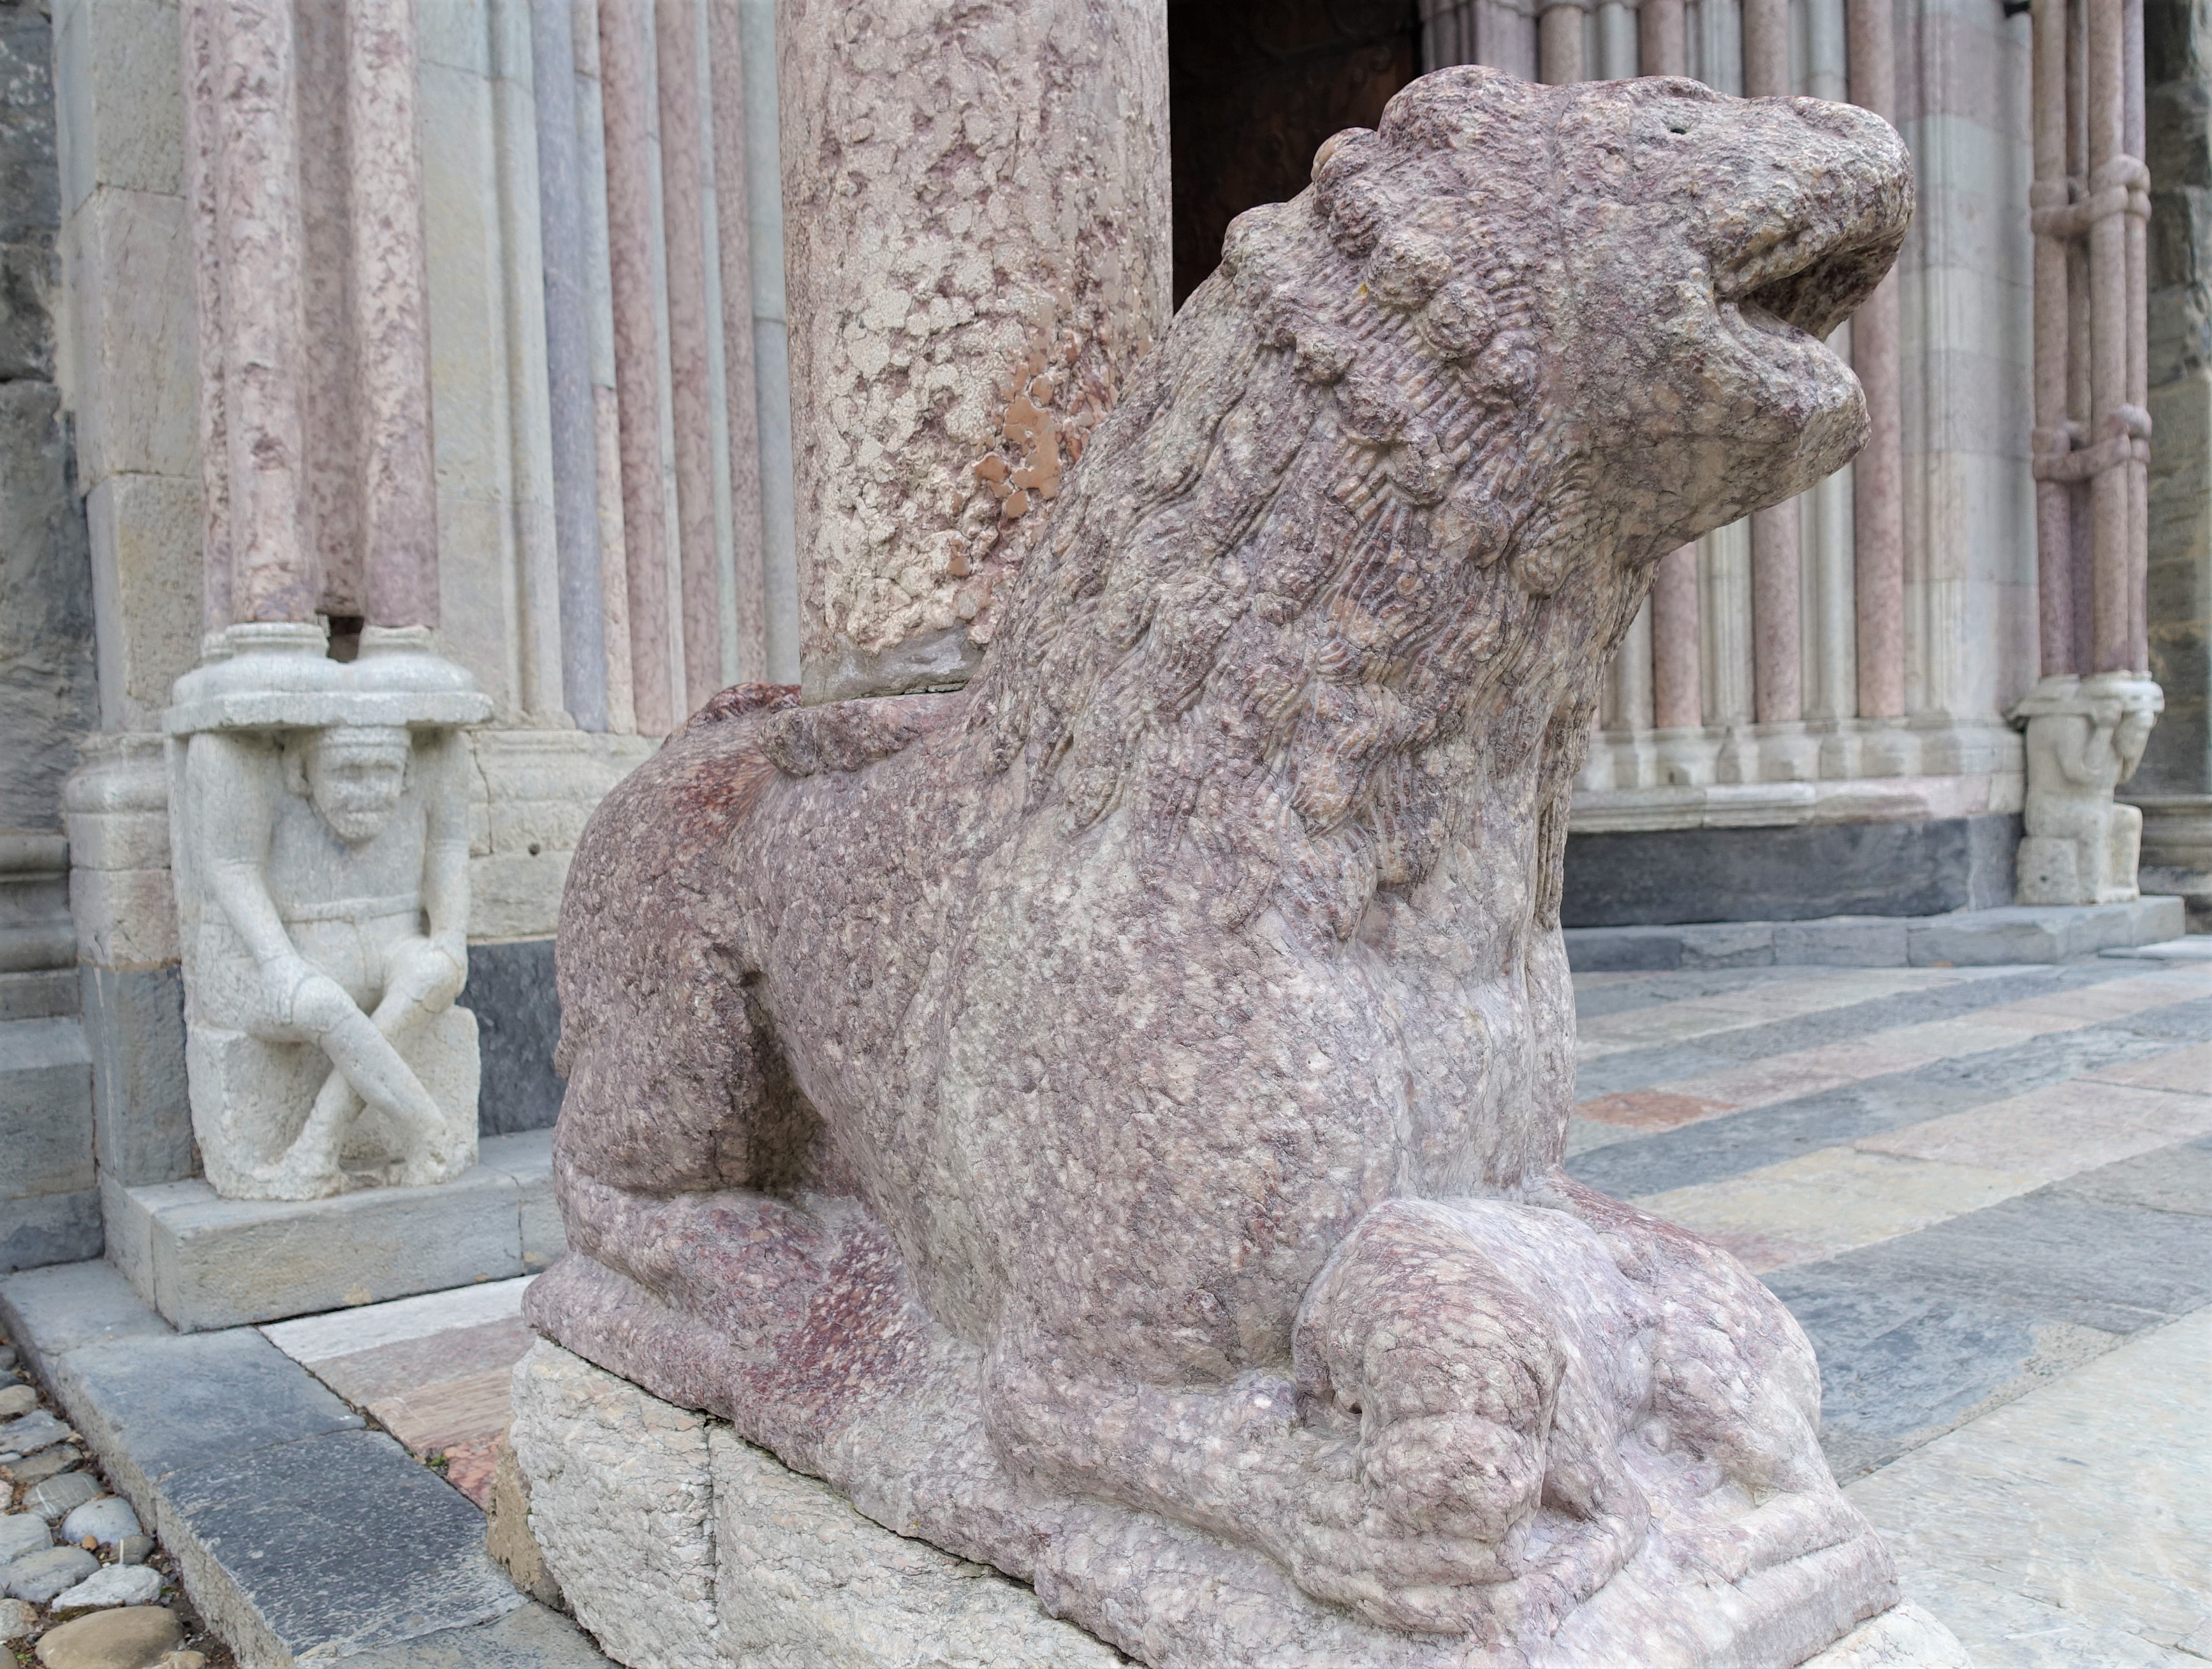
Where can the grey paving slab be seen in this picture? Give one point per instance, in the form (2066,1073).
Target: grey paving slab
(1634,1069)
(1734,1143)
(318,1550)
(1591,1003)
(2174,1179)
(1917,1334)
(156,1405)
(530,1638)
(51,1312)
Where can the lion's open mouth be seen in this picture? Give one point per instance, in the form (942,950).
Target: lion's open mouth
(1812,279)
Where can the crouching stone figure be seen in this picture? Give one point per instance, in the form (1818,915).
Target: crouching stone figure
(320,839)
(2085,737)
(1109,1120)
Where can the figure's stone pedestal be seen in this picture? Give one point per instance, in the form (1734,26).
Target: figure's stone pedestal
(206,1262)
(677,1544)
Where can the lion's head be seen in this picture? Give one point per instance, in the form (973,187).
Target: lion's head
(1369,520)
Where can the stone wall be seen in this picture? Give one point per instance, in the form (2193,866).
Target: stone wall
(49,1210)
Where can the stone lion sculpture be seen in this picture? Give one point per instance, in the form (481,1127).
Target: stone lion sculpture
(1108,1120)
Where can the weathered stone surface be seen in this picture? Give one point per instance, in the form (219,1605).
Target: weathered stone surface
(17,1399)
(978,244)
(17,1618)
(318,820)
(62,1494)
(1051,1112)
(506,1534)
(132,1638)
(28,1433)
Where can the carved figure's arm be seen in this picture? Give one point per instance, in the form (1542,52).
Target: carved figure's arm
(2079,745)
(235,785)
(446,846)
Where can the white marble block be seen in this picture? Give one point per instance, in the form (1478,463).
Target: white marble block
(318,823)
(2085,737)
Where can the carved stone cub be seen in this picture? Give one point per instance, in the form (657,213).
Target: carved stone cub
(1108,1120)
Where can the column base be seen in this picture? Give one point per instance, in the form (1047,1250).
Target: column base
(2177,852)
(206,1262)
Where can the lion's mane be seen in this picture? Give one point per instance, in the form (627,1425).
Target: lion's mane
(1357,519)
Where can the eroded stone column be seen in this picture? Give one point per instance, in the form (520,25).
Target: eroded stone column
(978,247)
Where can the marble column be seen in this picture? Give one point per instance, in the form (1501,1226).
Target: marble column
(1776,662)
(1878,472)
(1559,55)
(740,390)
(684,230)
(937,397)
(1662,38)
(1677,701)
(242,99)
(568,366)
(626,123)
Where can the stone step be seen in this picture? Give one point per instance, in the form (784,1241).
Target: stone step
(303,1536)
(2013,934)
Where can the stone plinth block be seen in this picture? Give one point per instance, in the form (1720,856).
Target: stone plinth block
(318,826)
(677,1544)
(680,1545)
(203,1261)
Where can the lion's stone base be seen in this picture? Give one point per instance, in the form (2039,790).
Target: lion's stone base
(682,1547)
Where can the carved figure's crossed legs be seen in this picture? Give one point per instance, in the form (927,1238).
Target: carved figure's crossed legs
(369,1069)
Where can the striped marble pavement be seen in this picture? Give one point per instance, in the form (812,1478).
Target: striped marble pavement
(1987,1196)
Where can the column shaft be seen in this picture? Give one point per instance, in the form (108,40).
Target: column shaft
(1677,699)
(569,368)
(1766,49)
(249,249)
(1878,472)
(2137,224)
(2112,566)
(637,357)
(1777,676)
(1663,39)
(2054,498)
(391,331)
(740,394)
(684,230)
(1560,53)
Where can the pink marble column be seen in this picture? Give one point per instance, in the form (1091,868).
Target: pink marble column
(683,233)
(1663,48)
(1559,43)
(734,239)
(1878,472)
(2136,222)
(390,318)
(1776,656)
(240,79)
(1677,701)
(2048,197)
(637,355)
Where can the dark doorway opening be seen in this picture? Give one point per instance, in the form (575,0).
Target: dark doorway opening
(1254,86)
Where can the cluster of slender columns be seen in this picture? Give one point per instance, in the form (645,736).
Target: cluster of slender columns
(2091,209)
(1724,639)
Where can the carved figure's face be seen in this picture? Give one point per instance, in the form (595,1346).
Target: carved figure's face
(1709,244)
(355,776)
(2132,736)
